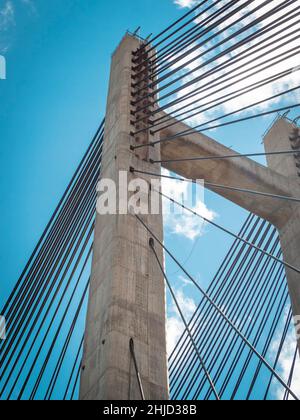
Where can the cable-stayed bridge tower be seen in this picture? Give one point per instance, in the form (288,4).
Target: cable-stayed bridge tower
(127,294)
(220,64)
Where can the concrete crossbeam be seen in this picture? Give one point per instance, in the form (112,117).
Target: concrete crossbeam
(279,178)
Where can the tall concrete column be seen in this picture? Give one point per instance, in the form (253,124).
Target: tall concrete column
(127,293)
(285,135)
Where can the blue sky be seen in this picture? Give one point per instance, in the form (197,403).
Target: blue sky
(58,55)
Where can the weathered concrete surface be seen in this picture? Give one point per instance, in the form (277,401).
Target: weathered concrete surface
(127,293)
(239,172)
(279,178)
(278,139)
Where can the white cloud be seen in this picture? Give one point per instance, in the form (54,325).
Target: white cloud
(186,304)
(175,326)
(185,281)
(175,329)
(285,362)
(8,13)
(185,3)
(180,221)
(7,16)
(8,19)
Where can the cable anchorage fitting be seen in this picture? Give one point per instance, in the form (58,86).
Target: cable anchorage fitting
(138,375)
